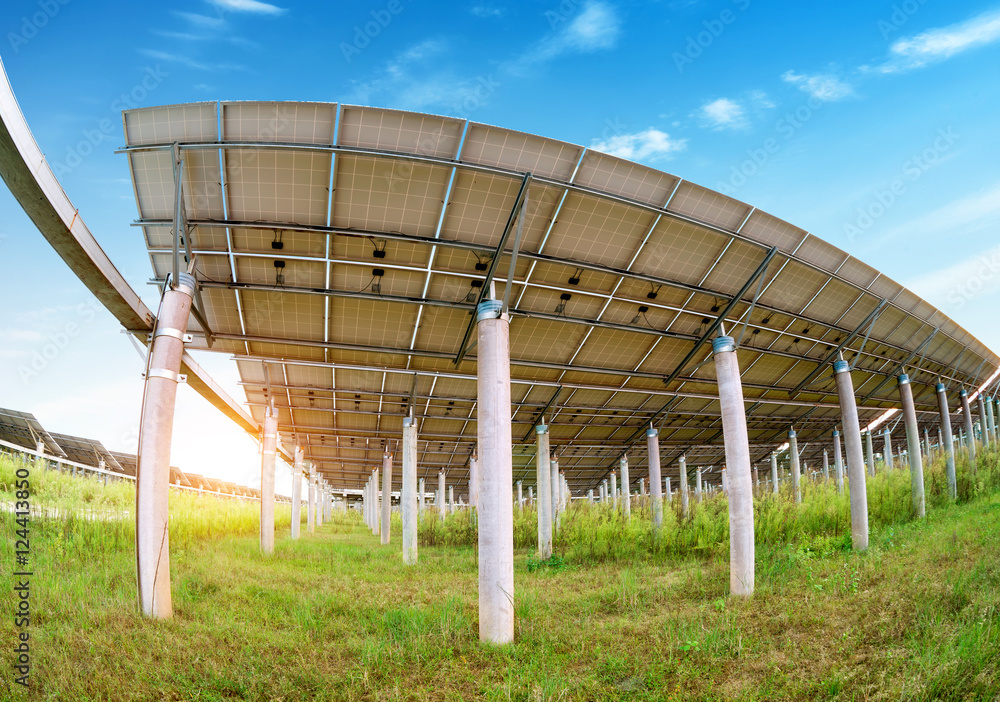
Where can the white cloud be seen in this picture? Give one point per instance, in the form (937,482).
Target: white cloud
(252,6)
(942,43)
(822,86)
(189,62)
(201,20)
(954,286)
(485,11)
(596,27)
(723,114)
(650,144)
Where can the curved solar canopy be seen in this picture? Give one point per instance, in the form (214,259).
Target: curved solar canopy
(340,251)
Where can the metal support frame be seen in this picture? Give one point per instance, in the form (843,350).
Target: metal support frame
(484,292)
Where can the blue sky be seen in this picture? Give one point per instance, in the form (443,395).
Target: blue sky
(870,124)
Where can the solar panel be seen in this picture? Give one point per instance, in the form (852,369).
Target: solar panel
(340,248)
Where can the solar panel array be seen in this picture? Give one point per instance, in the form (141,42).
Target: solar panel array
(340,251)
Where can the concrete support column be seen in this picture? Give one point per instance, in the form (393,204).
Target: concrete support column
(738,483)
(793,461)
(440,499)
(520,496)
(838,462)
(984,438)
(774,473)
(297,493)
(887,451)
(685,498)
(377,500)
(826,465)
(408,492)
(912,444)
(667,491)
(626,487)
(927,444)
(156,426)
(967,416)
(496,516)
(384,528)
(697,484)
(555,485)
(451,499)
(653,448)
(421,489)
(473,481)
(614,490)
(531,496)
(871,453)
(320,495)
(311,504)
(268,449)
(990,422)
(855,459)
(949,446)
(590,496)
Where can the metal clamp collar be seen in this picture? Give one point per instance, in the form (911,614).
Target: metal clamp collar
(173,333)
(166,375)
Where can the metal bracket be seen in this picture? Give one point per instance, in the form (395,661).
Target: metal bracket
(166,375)
(174,333)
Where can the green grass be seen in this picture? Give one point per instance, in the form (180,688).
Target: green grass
(614,616)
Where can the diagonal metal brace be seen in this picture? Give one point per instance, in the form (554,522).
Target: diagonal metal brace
(870,319)
(494,264)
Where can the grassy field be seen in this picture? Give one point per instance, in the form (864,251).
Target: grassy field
(616,615)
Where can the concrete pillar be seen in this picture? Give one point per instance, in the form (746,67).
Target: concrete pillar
(311,504)
(990,422)
(496,516)
(268,448)
(887,451)
(912,444)
(855,459)
(724,483)
(440,500)
(385,530)
(408,491)
(967,416)
(556,498)
(838,462)
(626,487)
(543,478)
(697,484)
(377,500)
(565,494)
(614,490)
(297,493)
(949,446)
(520,496)
(473,481)
(793,460)
(670,495)
(320,494)
(826,465)
(685,499)
(451,499)
(421,488)
(653,449)
(927,444)
(774,473)
(738,485)
(156,430)
(531,496)
(871,453)
(984,438)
